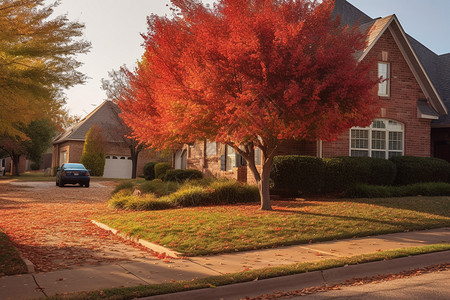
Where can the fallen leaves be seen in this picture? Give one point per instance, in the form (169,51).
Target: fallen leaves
(54,232)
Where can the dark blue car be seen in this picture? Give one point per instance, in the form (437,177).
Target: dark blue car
(72,174)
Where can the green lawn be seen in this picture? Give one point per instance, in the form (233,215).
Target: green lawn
(10,261)
(218,229)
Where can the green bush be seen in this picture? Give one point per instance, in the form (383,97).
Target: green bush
(94,162)
(124,200)
(231,191)
(35,166)
(190,196)
(157,194)
(342,173)
(124,186)
(93,156)
(161,169)
(149,171)
(182,175)
(293,174)
(422,189)
(412,169)
(159,187)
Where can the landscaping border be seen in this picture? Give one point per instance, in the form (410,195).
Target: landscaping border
(154,247)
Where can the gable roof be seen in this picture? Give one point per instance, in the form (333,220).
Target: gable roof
(105,116)
(429,71)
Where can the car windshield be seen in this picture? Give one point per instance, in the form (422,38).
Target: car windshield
(73,167)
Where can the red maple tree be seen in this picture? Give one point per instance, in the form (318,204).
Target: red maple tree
(249,73)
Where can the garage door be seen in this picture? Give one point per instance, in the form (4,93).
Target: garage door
(117,167)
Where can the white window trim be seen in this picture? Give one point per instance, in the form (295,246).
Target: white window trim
(369,148)
(388,81)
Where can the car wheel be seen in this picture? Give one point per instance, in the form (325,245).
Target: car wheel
(86,184)
(61,183)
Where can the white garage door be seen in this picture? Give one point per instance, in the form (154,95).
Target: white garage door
(117,167)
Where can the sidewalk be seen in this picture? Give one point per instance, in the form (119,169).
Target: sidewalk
(151,270)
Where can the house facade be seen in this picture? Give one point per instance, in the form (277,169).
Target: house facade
(413,117)
(68,146)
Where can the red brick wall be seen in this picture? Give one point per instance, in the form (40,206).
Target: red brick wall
(401,106)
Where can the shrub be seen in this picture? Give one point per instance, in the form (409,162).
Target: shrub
(149,171)
(293,174)
(123,200)
(423,189)
(124,186)
(161,169)
(158,187)
(35,166)
(412,169)
(93,156)
(190,196)
(182,175)
(231,191)
(342,173)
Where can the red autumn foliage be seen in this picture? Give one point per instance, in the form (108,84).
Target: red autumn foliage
(249,74)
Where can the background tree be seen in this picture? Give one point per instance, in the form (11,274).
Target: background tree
(40,134)
(33,143)
(117,90)
(93,156)
(36,62)
(249,73)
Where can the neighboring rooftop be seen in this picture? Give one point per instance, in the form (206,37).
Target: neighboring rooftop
(436,66)
(105,116)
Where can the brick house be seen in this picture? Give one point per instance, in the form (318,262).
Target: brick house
(412,119)
(68,146)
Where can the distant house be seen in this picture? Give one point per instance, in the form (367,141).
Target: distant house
(412,120)
(68,146)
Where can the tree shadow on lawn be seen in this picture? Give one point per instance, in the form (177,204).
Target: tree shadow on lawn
(435,205)
(439,206)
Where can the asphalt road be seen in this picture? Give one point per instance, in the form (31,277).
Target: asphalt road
(431,286)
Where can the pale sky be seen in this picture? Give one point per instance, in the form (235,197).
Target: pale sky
(114,27)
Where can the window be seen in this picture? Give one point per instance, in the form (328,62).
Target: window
(383,72)
(211,148)
(231,158)
(257,156)
(382,139)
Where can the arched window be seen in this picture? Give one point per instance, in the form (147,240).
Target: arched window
(382,139)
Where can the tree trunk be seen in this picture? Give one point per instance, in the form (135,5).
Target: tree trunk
(264,193)
(262,181)
(15,165)
(134,159)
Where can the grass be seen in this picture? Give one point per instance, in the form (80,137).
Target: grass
(10,261)
(219,229)
(157,194)
(247,276)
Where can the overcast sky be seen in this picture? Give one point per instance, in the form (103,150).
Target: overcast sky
(114,27)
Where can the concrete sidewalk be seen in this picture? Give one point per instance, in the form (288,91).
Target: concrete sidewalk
(151,270)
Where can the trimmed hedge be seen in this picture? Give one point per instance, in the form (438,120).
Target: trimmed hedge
(293,174)
(161,169)
(342,173)
(422,189)
(411,169)
(149,171)
(182,175)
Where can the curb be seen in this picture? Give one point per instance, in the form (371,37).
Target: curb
(154,247)
(311,279)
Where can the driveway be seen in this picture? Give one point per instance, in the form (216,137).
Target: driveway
(51,225)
